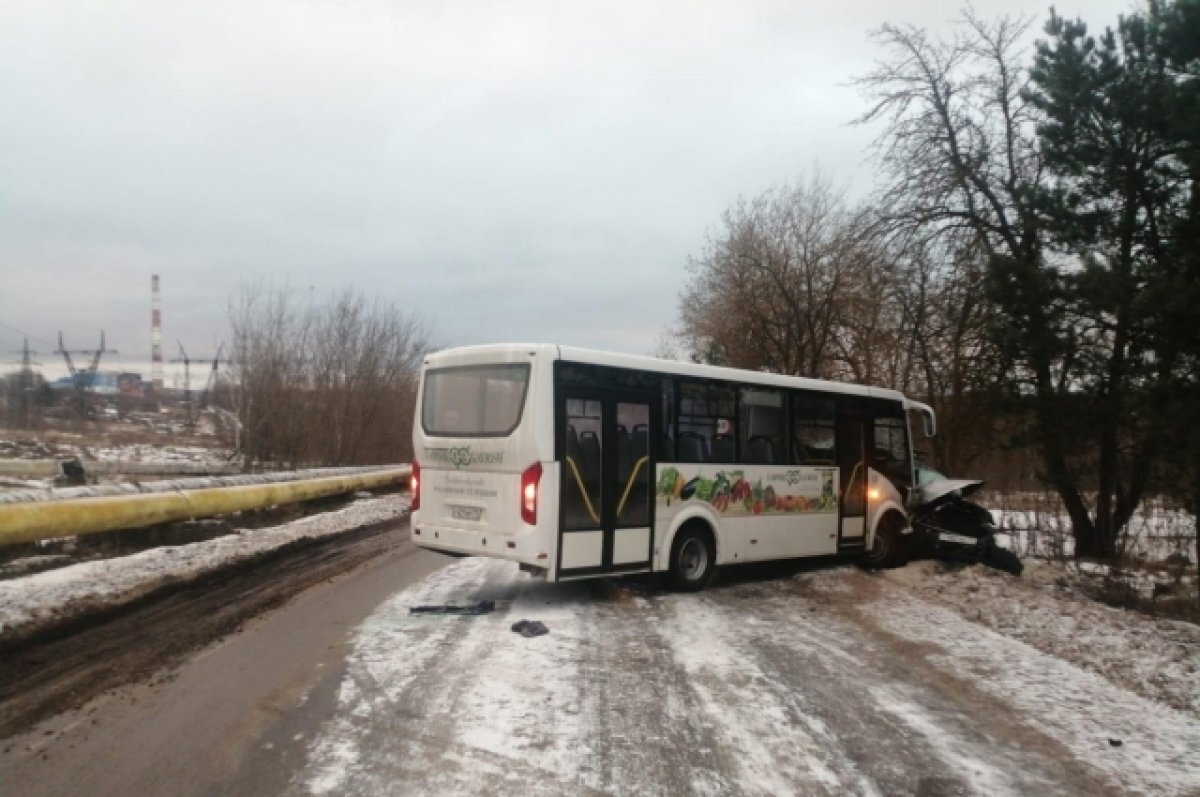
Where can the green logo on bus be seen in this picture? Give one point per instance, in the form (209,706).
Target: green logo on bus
(462,456)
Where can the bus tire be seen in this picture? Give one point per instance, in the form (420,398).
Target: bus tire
(693,558)
(887,548)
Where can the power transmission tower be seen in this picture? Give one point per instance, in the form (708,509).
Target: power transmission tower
(212,375)
(25,383)
(83,380)
(187,378)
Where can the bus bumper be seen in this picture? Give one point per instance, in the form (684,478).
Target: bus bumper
(518,548)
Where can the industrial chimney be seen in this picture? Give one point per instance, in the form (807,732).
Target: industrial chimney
(156,366)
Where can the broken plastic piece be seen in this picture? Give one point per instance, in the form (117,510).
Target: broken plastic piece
(530,628)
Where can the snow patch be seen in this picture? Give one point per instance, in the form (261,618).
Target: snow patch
(53,594)
(970,765)
(1045,608)
(1078,709)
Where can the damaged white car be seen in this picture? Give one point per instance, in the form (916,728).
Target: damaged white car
(948,526)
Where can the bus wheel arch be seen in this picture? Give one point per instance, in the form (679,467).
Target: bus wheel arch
(693,556)
(887,548)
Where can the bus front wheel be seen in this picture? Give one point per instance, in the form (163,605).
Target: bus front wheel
(693,559)
(887,549)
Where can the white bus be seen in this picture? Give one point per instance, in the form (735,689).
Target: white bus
(578,463)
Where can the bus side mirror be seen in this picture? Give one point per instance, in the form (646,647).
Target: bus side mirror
(928,419)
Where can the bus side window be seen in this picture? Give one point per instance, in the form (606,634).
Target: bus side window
(812,430)
(693,447)
(666,443)
(639,441)
(723,449)
(706,427)
(761,415)
(889,455)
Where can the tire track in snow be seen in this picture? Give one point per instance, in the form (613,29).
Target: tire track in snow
(1034,712)
(797,692)
(447,704)
(1078,709)
(825,684)
(377,697)
(746,705)
(911,727)
(595,706)
(649,728)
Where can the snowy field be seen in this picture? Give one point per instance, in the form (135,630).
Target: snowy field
(835,681)
(1040,527)
(32,464)
(64,448)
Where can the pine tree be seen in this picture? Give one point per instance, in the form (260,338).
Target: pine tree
(1111,135)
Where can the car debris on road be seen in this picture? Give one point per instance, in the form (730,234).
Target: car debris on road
(480,607)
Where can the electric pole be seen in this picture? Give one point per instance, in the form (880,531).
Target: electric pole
(25,383)
(85,379)
(187,378)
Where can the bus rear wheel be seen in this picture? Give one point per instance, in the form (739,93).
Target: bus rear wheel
(693,559)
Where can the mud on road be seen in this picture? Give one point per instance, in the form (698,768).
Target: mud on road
(65,665)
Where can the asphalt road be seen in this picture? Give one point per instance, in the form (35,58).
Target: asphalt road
(220,722)
(813,680)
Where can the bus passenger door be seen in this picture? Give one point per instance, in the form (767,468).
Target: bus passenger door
(852,428)
(607,478)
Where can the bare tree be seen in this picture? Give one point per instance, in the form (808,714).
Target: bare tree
(944,351)
(959,144)
(786,285)
(331,384)
(1060,175)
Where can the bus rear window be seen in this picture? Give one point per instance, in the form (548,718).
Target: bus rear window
(474,400)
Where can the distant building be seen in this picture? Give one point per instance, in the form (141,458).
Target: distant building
(130,384)
(102,383)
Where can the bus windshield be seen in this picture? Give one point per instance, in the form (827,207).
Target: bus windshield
(474,401)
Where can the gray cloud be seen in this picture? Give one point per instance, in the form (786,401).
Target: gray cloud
(509,171)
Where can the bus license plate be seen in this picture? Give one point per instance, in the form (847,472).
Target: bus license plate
(959,538)
(466,512)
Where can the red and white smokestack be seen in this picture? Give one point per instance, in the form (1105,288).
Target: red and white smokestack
(156,360)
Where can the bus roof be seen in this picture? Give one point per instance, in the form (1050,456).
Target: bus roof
(467,354)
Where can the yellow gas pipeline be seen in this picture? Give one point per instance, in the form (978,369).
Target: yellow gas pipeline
(40,520)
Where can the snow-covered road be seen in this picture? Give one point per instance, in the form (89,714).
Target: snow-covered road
(835,681)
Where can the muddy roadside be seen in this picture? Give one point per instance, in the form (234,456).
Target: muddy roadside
(66,664)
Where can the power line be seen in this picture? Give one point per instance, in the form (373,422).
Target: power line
(24,334)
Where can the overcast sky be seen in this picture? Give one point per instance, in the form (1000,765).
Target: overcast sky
(509,171)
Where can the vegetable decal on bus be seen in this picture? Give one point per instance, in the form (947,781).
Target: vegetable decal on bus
(733,492)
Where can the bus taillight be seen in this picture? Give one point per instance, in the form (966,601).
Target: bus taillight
(416,486)
(529,492)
